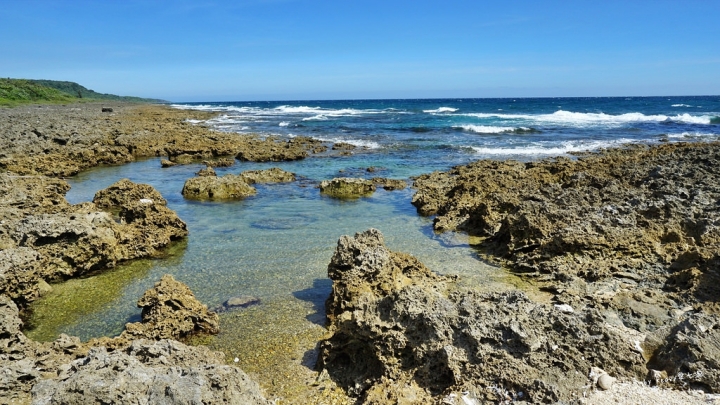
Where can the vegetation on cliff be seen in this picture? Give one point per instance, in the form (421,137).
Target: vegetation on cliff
(21,91)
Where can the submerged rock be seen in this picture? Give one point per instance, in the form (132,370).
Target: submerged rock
(226,187)
(394,322)
(241,301)
(347,187)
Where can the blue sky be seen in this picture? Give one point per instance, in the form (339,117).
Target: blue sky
(297,49)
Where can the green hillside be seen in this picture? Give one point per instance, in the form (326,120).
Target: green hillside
(21,91)
(18,91)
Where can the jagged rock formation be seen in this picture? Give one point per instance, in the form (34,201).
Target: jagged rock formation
(273,175)
(403,334)
(45,238)
(140,366)
(347,187)
(227,187)
(600,226)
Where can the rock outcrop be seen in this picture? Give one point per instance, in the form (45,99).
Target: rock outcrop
(149,372)
(227,187)
(401,334)
(171,311)
(274,150)
(594,226)
(273,175)
(347,187)
(45,238)
(142,365)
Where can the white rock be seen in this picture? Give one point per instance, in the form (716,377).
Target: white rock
(146,201)
(564,308)
(605,382)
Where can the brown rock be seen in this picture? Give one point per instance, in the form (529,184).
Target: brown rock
(274,175)
(346,187)
(171,311)
(226,187)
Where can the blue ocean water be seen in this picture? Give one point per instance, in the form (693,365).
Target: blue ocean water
(415,136)
(276,245)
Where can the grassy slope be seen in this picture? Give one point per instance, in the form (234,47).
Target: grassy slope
(20,91)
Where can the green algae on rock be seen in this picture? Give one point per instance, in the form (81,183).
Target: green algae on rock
(227,187)
(347,187)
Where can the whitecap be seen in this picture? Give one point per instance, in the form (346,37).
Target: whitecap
(441,110)
(362,143)
(692,135)
(319,117)
(586,119)
(284,124)
(486,129)
(681,105)
(547,148)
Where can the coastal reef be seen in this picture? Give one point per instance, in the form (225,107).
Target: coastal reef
(402,334)
(632,233)
(60,140)
(142,365)
(347,187)
(44,238)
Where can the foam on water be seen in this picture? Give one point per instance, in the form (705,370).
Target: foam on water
(549,148)
(584,119)
(487,129)
(441,110)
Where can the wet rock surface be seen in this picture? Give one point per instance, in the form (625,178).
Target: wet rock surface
(142,365)
(227,187)
(171,311)
(397,327)
(44,238)
(273,175)
(631,232)
(58,140)
(347,187)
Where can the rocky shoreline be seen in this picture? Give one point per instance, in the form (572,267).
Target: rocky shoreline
(626,240)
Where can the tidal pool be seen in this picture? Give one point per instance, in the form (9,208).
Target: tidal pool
(275,245)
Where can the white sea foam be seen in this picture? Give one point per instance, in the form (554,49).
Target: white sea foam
(681,105)
(319,117)
(284,124)
(441,110)
(548,148)
(357,142)
(585,119)
(486,129)
(193,121)
(692,135)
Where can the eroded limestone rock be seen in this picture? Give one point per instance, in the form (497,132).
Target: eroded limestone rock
(394,322)
(347,187)
(226,187)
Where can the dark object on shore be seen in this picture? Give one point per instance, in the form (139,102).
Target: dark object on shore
(107,109)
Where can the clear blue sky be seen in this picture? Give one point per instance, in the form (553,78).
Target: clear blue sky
(296,49)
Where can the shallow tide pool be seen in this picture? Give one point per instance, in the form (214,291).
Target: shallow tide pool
(275,245)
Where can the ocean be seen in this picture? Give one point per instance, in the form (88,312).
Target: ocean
(276,245)
(414,136)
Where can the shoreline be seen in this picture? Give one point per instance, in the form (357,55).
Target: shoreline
(118,139)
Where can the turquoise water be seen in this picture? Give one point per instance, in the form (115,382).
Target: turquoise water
(276,245)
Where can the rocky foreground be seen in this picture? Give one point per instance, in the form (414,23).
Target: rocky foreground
(626,241)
